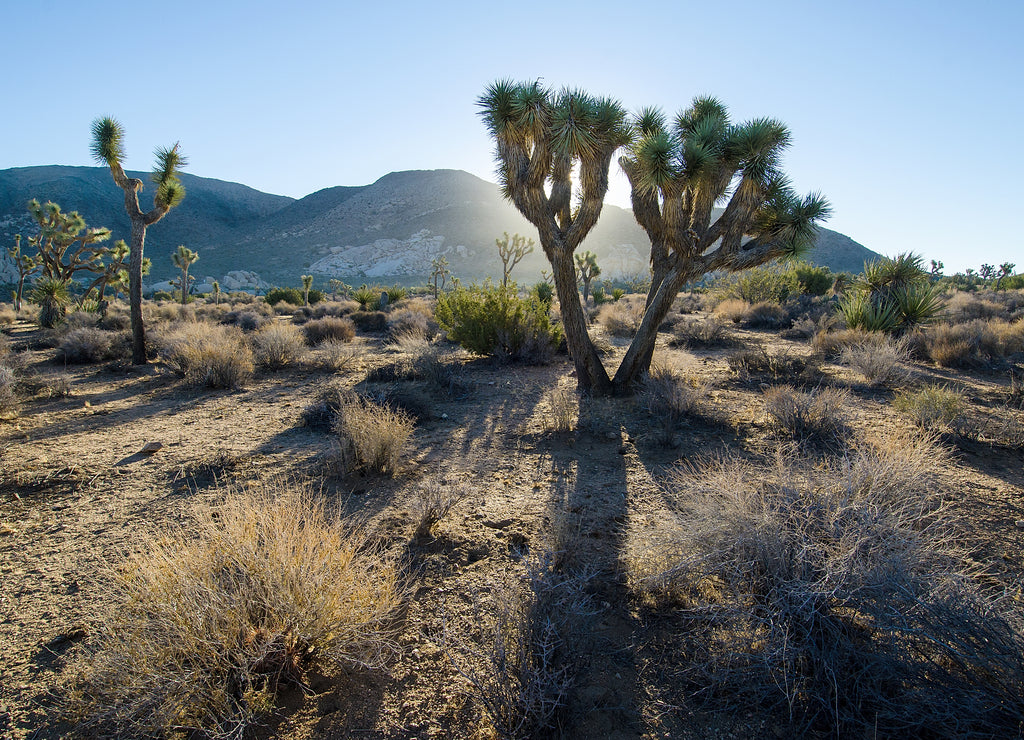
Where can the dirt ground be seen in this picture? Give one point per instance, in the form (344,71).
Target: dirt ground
(75,490)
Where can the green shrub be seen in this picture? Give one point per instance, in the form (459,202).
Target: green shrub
(162,295)
(813,280)
(395,293)
(367,298)
(286,295)
(765,284)
(931,407)
(491,320)
(543,292)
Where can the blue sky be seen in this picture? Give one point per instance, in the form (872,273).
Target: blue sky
(903,114)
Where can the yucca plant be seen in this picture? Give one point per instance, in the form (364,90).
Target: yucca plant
(108,148)
(893,295)
(53,298)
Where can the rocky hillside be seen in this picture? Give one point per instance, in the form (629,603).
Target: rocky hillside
(386,232)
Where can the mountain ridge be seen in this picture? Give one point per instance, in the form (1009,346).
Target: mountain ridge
(388,230)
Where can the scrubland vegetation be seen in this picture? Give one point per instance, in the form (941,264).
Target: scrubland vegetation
(398,516)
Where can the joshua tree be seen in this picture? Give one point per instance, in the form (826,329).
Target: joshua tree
(937,267)
(26,266)
(108,147)
(511,250)
(216,292)
(1005,270)
(183,259)
(439,274)
(987,272)
(307,283)
(678,173)
(65,245)
(587,270)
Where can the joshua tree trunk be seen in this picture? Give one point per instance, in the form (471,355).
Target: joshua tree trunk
(591,376)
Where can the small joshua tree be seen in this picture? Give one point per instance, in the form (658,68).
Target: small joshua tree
(26,266)
(183,259)
(937,268)
(987,272)
(511,250)
(586,270)
(439,274)
(108,147)
(307,284)
(1005,270)
(216,292)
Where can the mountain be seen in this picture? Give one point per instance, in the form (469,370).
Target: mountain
(388,231)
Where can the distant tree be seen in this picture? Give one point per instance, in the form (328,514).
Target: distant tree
(216,292)
(108,147)
(183,258)
(65,245)
(678,173)
(439,273)
(339,287)
(586,270)
(987,272)
(307,283)
(1005,271)
(511,250)
(937,267)
(26,265)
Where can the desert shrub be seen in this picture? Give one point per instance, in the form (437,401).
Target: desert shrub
(492,320)
(329,327)
(932,407)
(520,655)
(328,399)
(895,294)
(963,307)
(372,437)
(370,321)
(622,318)
(670,396)
(880,362)
(206,621)
(278,345)
(335,356)
(412,323)
(831,596)
(769,284)
(829,345)
(812,279)
(687,303)
(333,308)
(786,365)
(247,320)
(975,343)
(432,500)
(766,315)
(9,397)
(7,315)
(563,409)
(284,295)
(167,313)
(820,414)
(208,355)
(544,292)
(162,295)
(732,309)
(116,320)
(80,346)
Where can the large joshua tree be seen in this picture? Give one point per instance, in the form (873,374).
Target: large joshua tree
(678,172)
(108,147)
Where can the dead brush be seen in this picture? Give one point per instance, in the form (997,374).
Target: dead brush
(335,357)
(670,396)
(709,333)
(208,355)
(622,318)
(519,655)
(371,437)
(329,327)
(433,500)
(563,410)
(277,346)
(818,415)
(10,400)
(880,362)
(204,622)
(832,597)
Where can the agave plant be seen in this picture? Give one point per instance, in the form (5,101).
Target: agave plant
(893,295)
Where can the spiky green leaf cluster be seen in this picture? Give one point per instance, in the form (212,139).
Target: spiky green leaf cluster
(169,190)
(107,144)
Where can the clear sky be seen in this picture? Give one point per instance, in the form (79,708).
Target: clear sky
(904,114)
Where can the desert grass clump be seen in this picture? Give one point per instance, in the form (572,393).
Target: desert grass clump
(10,400)
(7,315)
(708,333)
(622,318)
(976,343)
(563,409)
(832,597)
(931,407)
(766,315)
(335,356)
(432,500)
(880,362)
(333,328)
(670,396)
(732,309)
(829,345)
(247,319)
(371,436)
(208,355)
(277,345)
(370,321)
(206,621)
(819,414)
(751,364)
